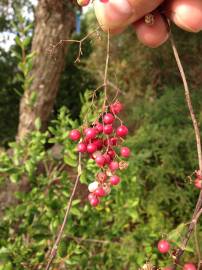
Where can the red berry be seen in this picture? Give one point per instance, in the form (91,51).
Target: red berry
(113,141)
(114,165)
(125,152)
(90,133)
(116,107)
(108,118)
(107,158)
(198,183)
(83,3)
(81,147)
(111,153)
(122,131)
(91,148)
(75,135)
(189,266)
(98,143)
(100,192)
(107,129)
(104,1)
(94,201)
(102,177)
(163,246)
(100,160)
(99,127)
(114,180)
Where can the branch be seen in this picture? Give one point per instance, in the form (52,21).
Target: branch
(197,211)
(53,252)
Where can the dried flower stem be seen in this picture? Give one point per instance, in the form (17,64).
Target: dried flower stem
(197,211)
(53,252)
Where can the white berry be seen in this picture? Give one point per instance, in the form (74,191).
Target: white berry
(93,186)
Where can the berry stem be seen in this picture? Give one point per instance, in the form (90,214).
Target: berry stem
(53,252)
(105,83)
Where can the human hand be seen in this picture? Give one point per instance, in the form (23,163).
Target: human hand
(116,15)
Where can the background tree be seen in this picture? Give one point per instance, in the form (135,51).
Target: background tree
(54,21)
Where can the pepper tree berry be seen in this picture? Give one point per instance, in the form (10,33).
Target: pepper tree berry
(189,266)
(74,135)
(125,152)
(102,141)
(163,246)
(84,3)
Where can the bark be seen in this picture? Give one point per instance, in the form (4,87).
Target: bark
(54,22)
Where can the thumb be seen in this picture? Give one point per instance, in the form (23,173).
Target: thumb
(118,14)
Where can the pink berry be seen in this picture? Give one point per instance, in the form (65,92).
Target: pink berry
(116,107)
(91,148)
(163,246)
(99,127)
(83,3)
(199,175)
(107,129)
(125,152)
(91,196)
(94,201)
(81,147)
(114,180)
(74,135)
(100,192)
(189,266)
(111,153)
(108,118)
(122,131)
(114,165)
(90,133)
(104,1)
(101,176)
(107,158)
(198,183)
(100,160)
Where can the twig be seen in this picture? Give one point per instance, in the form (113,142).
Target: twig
(52,48)
(197,210)
(53,252)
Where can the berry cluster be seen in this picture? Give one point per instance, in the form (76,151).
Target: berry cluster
(102,141)
(84,3)
(164,247)
(198,180)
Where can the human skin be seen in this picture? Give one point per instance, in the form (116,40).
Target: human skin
(117,15)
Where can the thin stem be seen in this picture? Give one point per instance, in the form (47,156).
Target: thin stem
(53,252)
(105,83)
(197,210)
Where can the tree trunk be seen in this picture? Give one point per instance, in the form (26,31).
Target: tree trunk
(54,22)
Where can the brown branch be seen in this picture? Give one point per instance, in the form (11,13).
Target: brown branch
(197,210)
(53,252)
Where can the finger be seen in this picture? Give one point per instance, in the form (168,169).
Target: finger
(152,35)
(186,14)
(120,13)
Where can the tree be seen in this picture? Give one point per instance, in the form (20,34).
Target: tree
(54,22)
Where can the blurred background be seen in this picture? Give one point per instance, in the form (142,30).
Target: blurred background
(43,95)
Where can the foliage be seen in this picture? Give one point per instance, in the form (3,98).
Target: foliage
(149,202)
